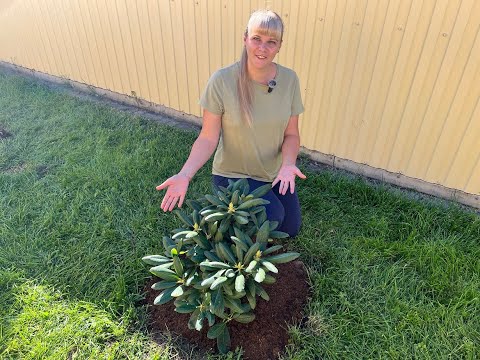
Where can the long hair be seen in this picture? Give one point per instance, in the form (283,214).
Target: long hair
(268,23)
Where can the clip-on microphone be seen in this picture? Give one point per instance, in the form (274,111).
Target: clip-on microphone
(271,84)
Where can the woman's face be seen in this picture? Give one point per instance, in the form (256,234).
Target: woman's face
(261,49)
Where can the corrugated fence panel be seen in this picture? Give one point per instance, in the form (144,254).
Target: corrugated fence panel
(394,84)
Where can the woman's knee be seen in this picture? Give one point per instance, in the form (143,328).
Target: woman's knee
(292,228)
(275,212)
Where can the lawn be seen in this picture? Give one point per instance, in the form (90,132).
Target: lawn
(395,275)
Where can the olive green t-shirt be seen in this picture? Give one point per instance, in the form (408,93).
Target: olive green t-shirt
(255,151)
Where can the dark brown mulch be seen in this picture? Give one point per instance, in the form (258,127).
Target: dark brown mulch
(266,336)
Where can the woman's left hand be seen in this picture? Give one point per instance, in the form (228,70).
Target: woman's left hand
(286,177)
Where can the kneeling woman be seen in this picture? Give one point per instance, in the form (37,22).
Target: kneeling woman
(250,110)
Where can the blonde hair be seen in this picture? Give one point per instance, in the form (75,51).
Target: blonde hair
(268,23)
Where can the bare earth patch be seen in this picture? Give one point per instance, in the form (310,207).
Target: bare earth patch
(4,133)
(264,338)
(14,169)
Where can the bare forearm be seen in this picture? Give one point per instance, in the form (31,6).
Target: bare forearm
(201,151)
(290,148)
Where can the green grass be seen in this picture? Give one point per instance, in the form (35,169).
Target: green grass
(394,275)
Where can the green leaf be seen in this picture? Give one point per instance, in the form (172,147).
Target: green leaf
(210,318)
(218,236)
(202,241)
(208,281)
(182,234)
(156,259)
(217,303)
(190,279)
(239,252)
(235,197)
(218,282)
(239,283)
(211,256)
(216,330)
(199,322)
(198,256)
(261,190)
(208,211)
(178,266)
(251,252)
(215,264)
(165,274)
(243,237)
(230,273)
(223,197)
(164,297)
(228,291)
(161,285)
(239,184)
(278,234)
(213,227)
(168,243)
(242,213)
(282,258)
(224,225)
(226,253)
(251,266)
(178,291)
(185,308)
(196,218)
(194,205)
(262,217)
(272,249)
(263,294)
(269,279)
(246,188)
(191,234)
(184,217)
(193,319)
(237,295)
(213,200)
(257,210)
(240,219)
(263,232)
(215,216)
(251,203)
(224,189)
(163,266)
(252,300)
(244,318)
(235,305)
(273,226)
(269,266)
(251,287)
(223,341)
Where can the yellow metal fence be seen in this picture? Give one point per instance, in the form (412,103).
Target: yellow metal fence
(394,84)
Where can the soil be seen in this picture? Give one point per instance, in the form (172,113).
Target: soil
(265,337)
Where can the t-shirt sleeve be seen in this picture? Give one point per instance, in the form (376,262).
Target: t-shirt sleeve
(297,105)
(211,98)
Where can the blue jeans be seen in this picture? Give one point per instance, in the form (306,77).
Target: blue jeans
(282,208)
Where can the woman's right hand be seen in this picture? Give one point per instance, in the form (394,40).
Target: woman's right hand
(177,186)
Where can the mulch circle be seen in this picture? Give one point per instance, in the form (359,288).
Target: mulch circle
(265,337)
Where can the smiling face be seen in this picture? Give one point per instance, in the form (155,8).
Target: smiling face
(263,39)
(261,48)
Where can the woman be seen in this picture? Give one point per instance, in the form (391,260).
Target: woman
(251,111)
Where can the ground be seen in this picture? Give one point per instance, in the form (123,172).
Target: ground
(266,336)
